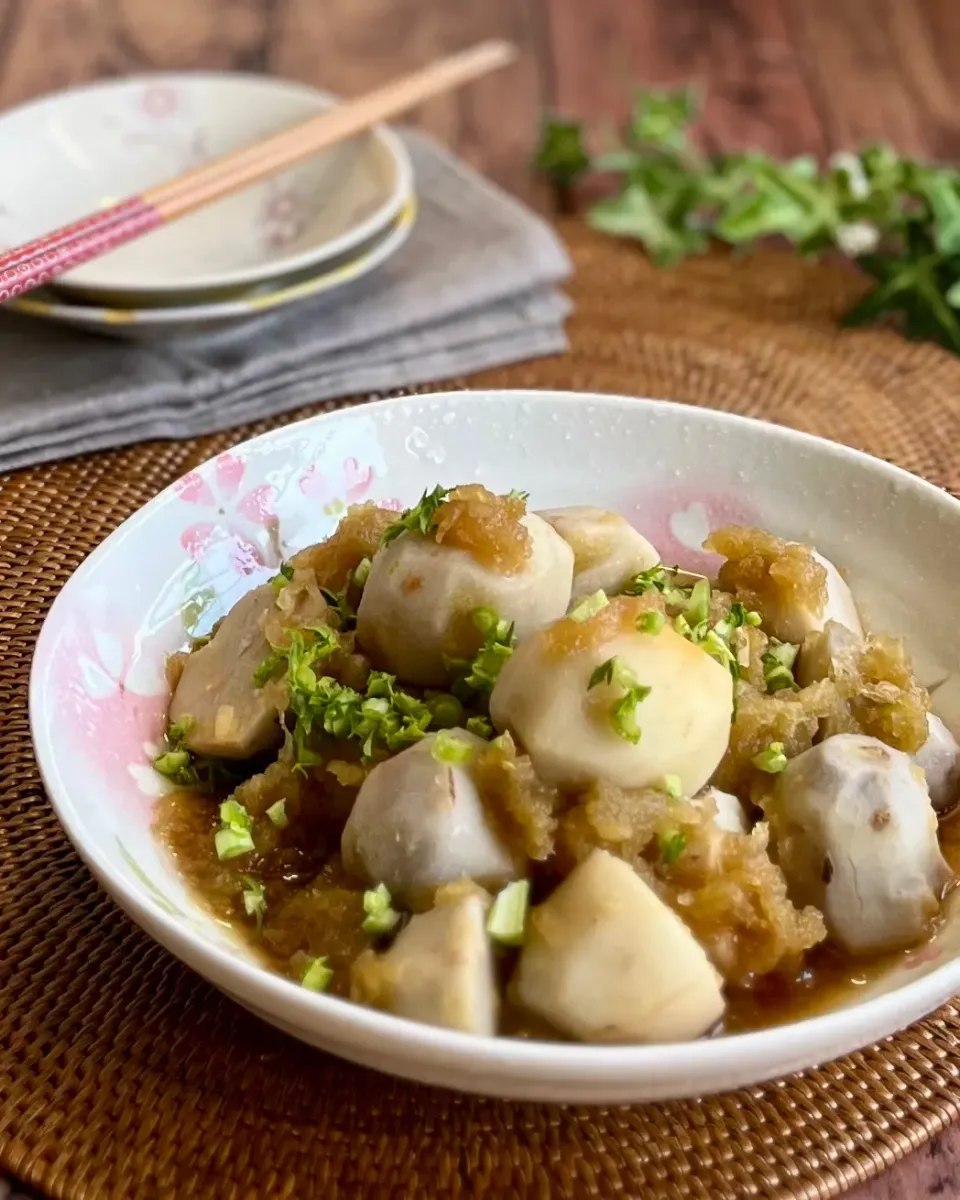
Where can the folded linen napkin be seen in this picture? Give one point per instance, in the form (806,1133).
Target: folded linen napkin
(474,287)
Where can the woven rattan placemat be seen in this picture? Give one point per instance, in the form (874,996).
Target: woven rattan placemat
(123,1074)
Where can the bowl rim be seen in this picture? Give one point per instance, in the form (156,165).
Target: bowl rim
(84,277)
(675,1069)
(382,247)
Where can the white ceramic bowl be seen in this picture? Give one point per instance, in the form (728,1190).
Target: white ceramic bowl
(82,149)
(97,694)
(163,322)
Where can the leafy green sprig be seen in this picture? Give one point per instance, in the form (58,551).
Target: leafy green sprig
(899,219)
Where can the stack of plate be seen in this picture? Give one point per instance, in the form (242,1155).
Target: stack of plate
(314,228)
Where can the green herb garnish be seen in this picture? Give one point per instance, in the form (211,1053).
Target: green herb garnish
(277,814)
(446,711)
(300,655)
(418,519)
(772,760)
(234,837)
(623,712)
(481,727)
(340,603)
(317,975)
(183,767)
(717,648)
(673,786)
(671,847)
(476,676)
(698,606)
(361,572)
(507,918)
(382,717)
(651,622)
(897,218)
(254,899)
(653,579)
(737,617)
(282,578)
(778,666)
(381,918)
(451,750)
(589,606)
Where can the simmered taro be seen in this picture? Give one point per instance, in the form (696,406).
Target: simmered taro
(509,774)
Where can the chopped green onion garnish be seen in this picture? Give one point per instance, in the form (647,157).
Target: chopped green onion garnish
(277,814)
(623,712)
(717,648)
(682,626)
(486,619)
(446,711)
(654,578)
(671,847)
(589,606)
(234,815)
(614,671)
(317,976)
(772,760)
(231,843)
(172,762)
(508,915)
(280,580)
(673,786)
(480,674)
(177,731)
(361,572)
(451,750)
(651,622)
(778,666)
(381,918)
(182,767)
(735,618)
(418,519)
(234,838)
(254,899)
(698,606)
(481,727)
(516,494)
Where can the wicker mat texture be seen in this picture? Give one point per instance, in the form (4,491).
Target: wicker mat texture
(122,1074)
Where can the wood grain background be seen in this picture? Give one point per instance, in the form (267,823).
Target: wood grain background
(789,76)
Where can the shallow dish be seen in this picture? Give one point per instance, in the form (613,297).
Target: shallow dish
(189,320)
(98,696)
(87,147)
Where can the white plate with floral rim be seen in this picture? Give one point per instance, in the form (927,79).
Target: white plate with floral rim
(97,694)
(82,149)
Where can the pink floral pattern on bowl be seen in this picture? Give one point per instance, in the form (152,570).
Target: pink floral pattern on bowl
(99,143)
(677,519)
(98,695)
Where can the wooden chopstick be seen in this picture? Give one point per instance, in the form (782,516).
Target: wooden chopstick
(41,260)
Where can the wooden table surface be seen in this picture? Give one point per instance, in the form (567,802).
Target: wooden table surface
(789,76)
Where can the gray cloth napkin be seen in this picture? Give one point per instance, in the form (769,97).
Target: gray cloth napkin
(474,287)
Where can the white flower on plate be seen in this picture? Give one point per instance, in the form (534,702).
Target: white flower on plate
(110,672)
(149,782)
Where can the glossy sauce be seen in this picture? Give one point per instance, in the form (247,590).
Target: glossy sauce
(829,978)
